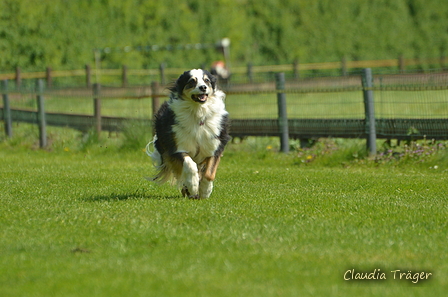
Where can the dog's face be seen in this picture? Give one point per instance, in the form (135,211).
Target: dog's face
(196,85)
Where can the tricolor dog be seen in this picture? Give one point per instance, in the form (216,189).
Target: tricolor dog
(191,131)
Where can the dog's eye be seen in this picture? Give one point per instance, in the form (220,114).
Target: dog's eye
(207,80)
(191,83)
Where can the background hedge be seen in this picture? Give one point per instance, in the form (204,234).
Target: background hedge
(62,34)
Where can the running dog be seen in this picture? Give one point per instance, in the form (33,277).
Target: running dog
(191,131)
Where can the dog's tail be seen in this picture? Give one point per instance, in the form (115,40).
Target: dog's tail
(155,156)
(148,146)
(163,174)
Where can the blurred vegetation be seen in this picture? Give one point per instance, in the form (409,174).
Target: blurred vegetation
(62,34)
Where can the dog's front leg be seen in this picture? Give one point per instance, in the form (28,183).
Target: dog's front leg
(208,176)
(190,178)
(205,188)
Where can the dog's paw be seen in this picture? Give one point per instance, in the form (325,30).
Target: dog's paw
(205,188)
(192,185)
(190,177)
(185,192)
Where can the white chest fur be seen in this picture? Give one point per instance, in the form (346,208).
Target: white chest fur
(198,126)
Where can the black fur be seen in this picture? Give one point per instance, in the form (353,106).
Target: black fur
(224,136)
(164,120)
(183,79)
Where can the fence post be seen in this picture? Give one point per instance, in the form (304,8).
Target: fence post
(401,64)
(97,108)
(282,115)
(6,109)
(124,76)
(295,66)
(18,78)
(41,120)
(344,66)
(48,77)
(88,76)
(250,73)
(155,100)
(162,73)
(155,97)
(367,83)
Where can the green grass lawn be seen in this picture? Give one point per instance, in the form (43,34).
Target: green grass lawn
(87,223)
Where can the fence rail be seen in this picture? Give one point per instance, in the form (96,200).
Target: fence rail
(404,106)
(248,72)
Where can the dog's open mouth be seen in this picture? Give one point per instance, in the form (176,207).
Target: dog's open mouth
(201,98)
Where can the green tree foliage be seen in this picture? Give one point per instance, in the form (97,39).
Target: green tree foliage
(63,34)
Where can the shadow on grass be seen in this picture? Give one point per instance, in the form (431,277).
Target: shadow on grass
(128,196)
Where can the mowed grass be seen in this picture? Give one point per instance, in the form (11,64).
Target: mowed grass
(88,224)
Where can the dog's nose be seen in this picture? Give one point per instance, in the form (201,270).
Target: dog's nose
(203,88)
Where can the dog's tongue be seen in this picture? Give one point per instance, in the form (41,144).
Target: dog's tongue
(202,97)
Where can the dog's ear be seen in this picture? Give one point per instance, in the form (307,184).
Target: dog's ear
(213,79)
(179,84)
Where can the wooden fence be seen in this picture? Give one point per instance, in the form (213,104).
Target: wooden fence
(370,126)
(249,72)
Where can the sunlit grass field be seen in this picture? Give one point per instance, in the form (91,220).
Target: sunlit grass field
(78,218)
(82,221)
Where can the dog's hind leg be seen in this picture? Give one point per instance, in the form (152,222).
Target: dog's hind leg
(190,178)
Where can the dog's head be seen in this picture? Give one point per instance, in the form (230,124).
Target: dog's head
(196,85)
